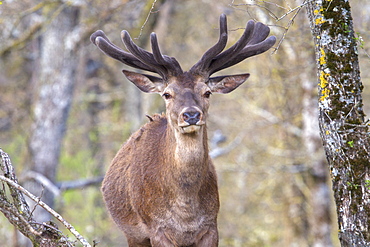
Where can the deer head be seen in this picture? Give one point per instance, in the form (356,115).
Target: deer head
(187,93)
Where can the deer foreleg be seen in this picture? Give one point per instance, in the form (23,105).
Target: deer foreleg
(161,240)
(209,238)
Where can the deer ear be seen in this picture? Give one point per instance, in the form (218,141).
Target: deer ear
(146,83)
(226,84)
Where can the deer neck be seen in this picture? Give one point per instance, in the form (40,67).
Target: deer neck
(190,153)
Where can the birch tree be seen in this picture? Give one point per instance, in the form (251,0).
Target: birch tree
(343,127)
(56,81)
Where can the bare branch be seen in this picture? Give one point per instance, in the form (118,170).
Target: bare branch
(8,170)
(38,177)
(21,41)
(57,188)
(266,6)
(81,183)
(217,138)
(42,23)
(146,19)
(290,23)
(19,213)
(47,208)
(275,120)
(17,219)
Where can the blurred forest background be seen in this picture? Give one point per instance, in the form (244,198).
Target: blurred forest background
(273,179)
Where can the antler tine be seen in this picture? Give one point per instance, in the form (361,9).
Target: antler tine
(256,44)
(260,33)
(156,51)
(137,57)
(252,42)
(201,66)
(233,51)
(141,54)
(248,51)
(99,39)
(161,64)
(173,67)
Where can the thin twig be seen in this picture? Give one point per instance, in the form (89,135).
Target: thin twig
(255,5)
(147,18)
(289,10)
(12,213)
(290,23)
(296,10)
(47,208)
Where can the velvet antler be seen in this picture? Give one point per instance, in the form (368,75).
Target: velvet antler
(137,57)
(253,42)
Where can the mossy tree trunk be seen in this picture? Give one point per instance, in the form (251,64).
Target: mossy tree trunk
(344,130)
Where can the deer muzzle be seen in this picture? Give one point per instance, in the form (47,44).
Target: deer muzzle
(191,120)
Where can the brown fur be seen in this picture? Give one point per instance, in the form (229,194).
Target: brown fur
(155,200)
(161,188)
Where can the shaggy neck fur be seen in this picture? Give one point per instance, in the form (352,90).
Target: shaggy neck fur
(190,158)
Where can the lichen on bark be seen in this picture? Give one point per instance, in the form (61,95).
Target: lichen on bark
(343,127)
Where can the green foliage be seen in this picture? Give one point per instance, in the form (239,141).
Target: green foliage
(17,150)
(84,208)
(360,41)
(367,184)
(350,143)
(353,186)
(76,165)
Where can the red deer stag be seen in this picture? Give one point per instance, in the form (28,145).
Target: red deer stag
(161,187)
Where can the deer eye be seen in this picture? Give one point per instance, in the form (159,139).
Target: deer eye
(207,94)
(167,96)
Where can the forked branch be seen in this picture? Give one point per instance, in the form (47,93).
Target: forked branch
(19,215)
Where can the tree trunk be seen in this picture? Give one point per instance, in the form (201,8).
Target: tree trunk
(320,221)
(55,88)
(343,129)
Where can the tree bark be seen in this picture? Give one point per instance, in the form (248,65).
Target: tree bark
(56,81)
(344,130)
(15,208)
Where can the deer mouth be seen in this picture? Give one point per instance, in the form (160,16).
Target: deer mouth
(191,128)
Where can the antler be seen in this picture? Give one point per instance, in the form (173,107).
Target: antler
(137,57)
(251,43)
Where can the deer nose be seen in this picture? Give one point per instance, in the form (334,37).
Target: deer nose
(191,117)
